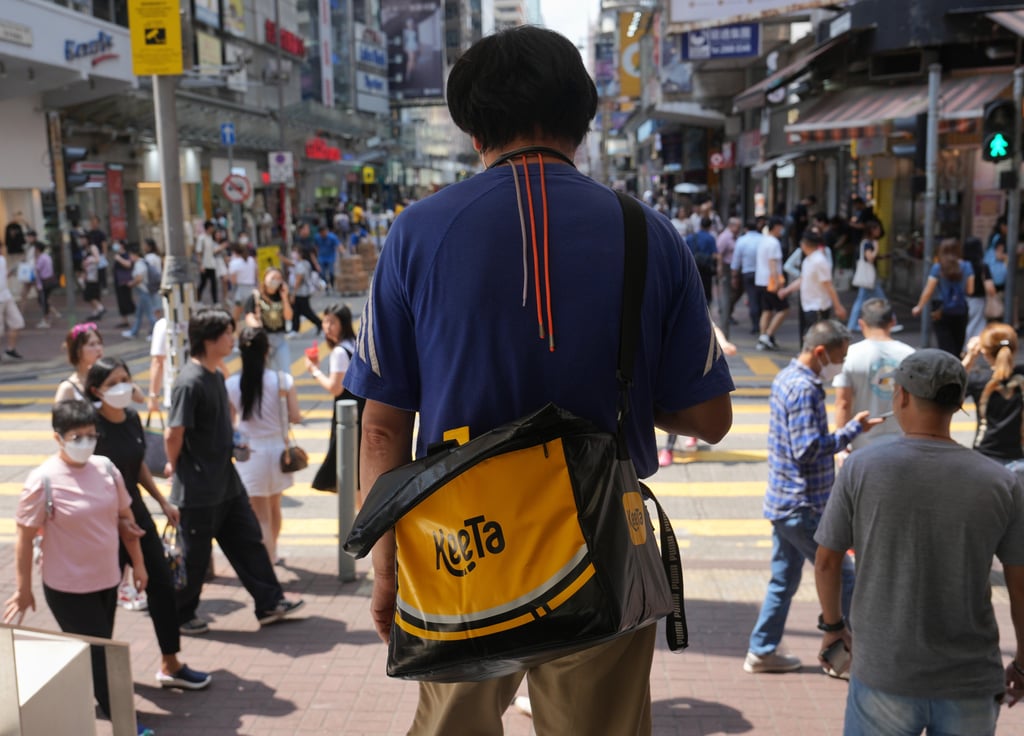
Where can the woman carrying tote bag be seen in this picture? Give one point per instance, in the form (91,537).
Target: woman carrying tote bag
(865,276)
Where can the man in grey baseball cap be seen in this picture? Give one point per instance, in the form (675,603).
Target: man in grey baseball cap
(926,516)
(933,375)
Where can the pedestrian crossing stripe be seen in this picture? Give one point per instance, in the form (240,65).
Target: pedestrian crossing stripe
(326,530)
(664,489)
(761,366)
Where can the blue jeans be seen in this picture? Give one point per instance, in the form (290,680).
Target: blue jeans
(862,296)
(792,543)
(143,308)
(280,353)
(871,712)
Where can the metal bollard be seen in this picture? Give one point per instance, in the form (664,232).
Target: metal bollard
(346,421)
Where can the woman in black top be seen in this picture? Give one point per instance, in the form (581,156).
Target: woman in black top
(270,307)
(997,391)
(122,439)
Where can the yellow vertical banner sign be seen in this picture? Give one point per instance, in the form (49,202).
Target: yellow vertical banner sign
(629,57)
(155,27)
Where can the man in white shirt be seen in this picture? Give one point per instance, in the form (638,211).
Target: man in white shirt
(206,251)
(769,279)
(11,320)
(818,297)
(866,382)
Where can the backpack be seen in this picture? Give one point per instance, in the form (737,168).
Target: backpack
(954,296)
(153,276)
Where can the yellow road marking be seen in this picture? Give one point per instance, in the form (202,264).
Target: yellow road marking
(760,365)
(724,489)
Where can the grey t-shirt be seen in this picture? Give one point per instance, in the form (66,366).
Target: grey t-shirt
(868,370)
(204,474)
(926,518)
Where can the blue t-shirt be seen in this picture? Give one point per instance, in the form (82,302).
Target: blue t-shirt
(953,294)
(450,328)
(327,247)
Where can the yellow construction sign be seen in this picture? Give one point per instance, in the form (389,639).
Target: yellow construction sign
(155,27)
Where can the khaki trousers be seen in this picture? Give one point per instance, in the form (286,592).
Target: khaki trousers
(599,691)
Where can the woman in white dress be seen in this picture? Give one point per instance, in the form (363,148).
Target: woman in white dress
(255,396)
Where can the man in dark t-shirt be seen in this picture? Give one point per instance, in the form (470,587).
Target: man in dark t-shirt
(206,487)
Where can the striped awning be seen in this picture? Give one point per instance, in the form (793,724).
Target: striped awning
(863,112)
(1012,20)
(964,98)
(860,112)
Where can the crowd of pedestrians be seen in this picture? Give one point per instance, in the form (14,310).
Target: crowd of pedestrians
(902,532)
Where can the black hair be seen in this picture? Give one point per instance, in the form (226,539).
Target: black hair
(100,372)
(523,82)
(72,414)
(344,315)
(812,238)
(776,221)
(253,345)
(150,245)
(820,217)
(207,324)
(705,223)
(877,313)
(974,252)
(751,225)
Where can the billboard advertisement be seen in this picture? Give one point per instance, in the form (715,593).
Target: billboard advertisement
(371,68)
(234,17)
(414,29)
(208,12)
(629,57)
(604,69)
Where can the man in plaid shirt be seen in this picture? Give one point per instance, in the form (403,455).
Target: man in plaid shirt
(801,469)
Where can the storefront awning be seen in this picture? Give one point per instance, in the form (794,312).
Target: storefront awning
(863,112)
(755,96)
(1012,20)
(965,98)
(765,166)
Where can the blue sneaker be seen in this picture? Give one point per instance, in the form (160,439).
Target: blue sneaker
(186,678)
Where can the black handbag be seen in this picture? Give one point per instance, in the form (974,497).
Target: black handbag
(156,450)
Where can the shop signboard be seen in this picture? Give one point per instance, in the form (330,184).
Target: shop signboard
(629,56)
(686,15)
(740,41)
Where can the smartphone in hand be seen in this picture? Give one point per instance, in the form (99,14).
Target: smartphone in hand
(838,657)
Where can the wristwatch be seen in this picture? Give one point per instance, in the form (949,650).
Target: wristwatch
(830,628)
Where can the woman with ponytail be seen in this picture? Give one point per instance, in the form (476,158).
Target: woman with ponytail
(256,401)
(997,391)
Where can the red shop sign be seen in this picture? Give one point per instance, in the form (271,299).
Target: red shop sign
(318,149)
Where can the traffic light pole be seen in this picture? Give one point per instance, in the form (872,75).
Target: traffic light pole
(61,190)
(176,286)
(931,176)
(1013,201)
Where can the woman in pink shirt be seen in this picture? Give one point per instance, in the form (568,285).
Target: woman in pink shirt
(81,502)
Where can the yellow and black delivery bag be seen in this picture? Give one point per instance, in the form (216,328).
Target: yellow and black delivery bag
(528,542)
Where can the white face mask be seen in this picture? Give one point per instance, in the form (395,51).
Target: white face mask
(119,396)
(79,450)
(829,370)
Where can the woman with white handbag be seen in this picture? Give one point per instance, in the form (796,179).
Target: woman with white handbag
(865,276)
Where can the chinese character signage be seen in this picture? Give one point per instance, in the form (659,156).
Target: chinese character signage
(726,42)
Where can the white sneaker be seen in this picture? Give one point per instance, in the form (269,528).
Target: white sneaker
(771,662)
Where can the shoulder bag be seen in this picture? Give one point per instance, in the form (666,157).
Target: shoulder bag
(530,541)
(156,450)
(864,275)
(293,457)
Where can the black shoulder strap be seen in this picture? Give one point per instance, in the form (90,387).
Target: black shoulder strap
(634,276)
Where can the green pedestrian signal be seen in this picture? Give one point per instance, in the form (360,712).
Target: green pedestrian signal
(998,147)
(999,122)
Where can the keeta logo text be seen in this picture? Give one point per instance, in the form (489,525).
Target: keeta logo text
(458,550)
(103,43)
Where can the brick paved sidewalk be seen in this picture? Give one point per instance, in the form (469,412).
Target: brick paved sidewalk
(324,672)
